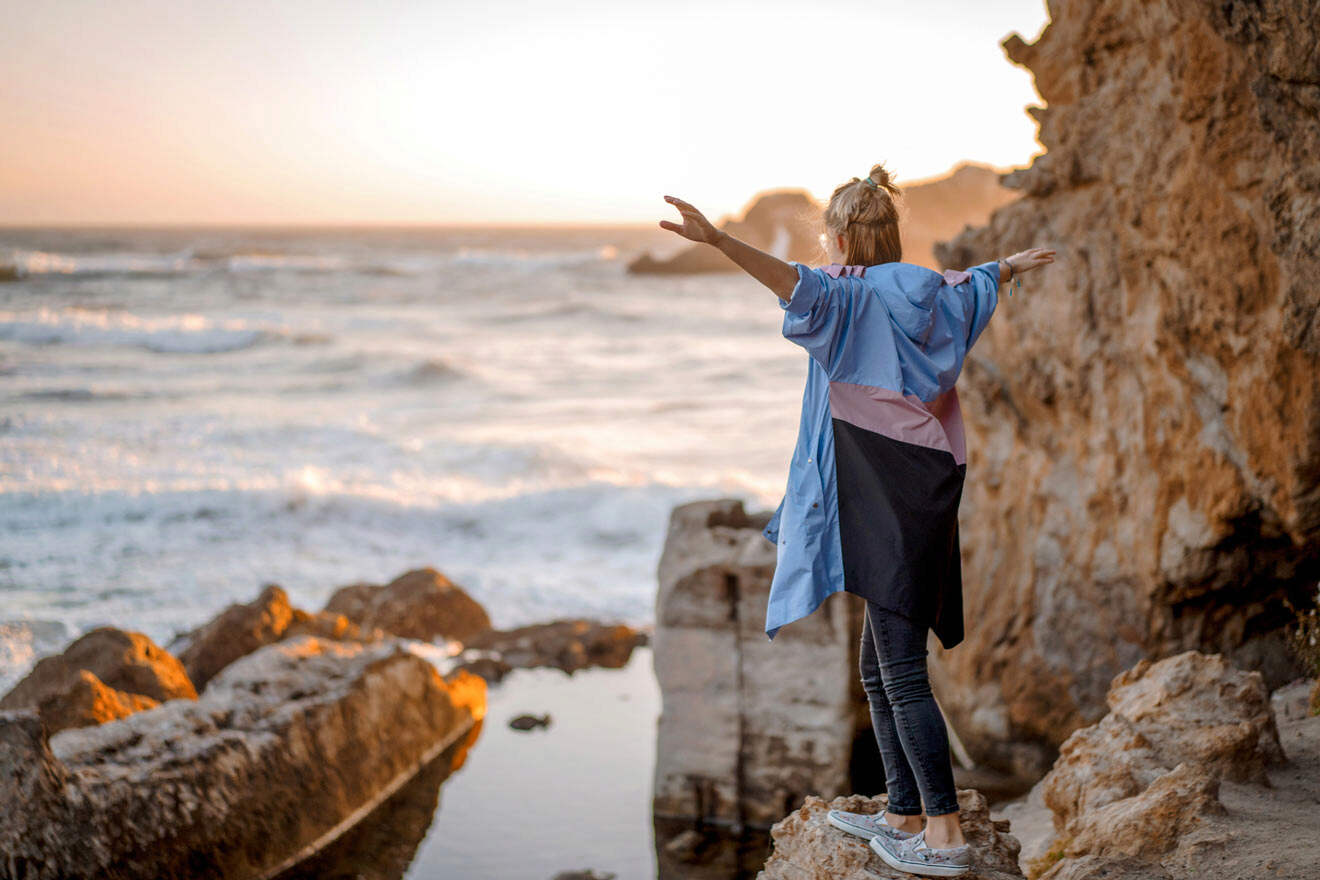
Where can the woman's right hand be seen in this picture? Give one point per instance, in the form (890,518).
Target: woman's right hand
(1032,258)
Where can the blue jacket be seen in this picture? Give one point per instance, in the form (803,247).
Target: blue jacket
(886,345)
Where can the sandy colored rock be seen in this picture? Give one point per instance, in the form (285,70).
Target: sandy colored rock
(1143,418)
(243,628)
(285,744)
(128,662)
(566,644)
(748,727)
(807,847)
(421,604)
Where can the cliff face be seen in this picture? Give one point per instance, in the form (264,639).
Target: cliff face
(1144,418)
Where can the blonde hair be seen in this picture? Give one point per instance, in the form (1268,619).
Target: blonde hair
(868,218)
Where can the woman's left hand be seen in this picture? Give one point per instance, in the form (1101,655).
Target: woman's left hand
(695,225)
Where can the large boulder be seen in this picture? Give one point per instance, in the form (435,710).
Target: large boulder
(124,665)
(1144,417)
(1136,784)
(287,747)
(807,847)
(241,629)
(749,727)
(422,604)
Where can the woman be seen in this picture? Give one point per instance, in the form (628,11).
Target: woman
(871,505)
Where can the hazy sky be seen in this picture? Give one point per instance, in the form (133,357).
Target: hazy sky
(489,111)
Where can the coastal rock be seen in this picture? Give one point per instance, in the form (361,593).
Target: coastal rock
(85,700)
(566,644)
(748,727)
(1132,786)
(422,604)
(788,223)
(241,629)
(807,847)
(1143,418)
(129,663)
(281,753)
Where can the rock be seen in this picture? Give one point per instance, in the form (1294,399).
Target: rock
(1293,700)
(788,223)
(585,874)
(1133,785)
(241,629)
(126,662)
(285,744)
(1143,419)
(807,847)
(527,722)
(85,700)
(748,727)
(492,669)
(421,604)
(566,644)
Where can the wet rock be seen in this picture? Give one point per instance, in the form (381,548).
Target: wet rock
(528,722)
(588,874)
(748,727)
(241,629)
(569,645)
(421,604)
(285,744)
(492,669)
(127,662)
(1143,418)
(807,847)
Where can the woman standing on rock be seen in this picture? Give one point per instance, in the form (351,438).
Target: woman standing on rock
(874,484)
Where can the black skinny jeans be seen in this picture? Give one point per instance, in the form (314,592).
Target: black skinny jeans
(908,725)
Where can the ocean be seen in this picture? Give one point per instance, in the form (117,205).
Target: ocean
(188,414)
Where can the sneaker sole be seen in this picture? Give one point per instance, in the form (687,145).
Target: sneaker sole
(851,829)
(919,868)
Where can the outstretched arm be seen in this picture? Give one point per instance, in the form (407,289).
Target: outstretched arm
(768,269)
(1024,261)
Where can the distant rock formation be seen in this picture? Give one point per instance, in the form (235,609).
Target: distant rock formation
(788,223)
(1144,417)
(104,675)
(807,847)
(569,644)
(281,753)
(749,727)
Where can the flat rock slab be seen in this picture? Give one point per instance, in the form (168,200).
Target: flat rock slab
(287,748)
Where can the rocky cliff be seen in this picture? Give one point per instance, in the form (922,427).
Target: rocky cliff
(1144,418)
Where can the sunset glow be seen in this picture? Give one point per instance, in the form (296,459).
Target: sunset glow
(503,112)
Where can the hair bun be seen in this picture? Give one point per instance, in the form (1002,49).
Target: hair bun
(882,178)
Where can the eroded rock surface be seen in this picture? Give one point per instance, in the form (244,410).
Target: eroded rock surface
(285,744)
(1144,417)
(1140,784)
(421,604)
(807,847)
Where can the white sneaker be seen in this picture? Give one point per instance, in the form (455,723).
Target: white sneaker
(915,857)
(866,825)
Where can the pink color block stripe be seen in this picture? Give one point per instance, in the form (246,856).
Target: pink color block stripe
(937,425)
(834,270)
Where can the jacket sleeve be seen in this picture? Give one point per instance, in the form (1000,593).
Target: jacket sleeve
(820,313)
(979,299)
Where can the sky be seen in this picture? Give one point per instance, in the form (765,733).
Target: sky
(498,112)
